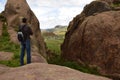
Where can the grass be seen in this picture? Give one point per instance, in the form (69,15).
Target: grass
(117,4)
(54,45)
(7,46)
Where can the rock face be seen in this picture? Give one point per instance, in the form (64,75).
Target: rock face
(14,10)
(37,71)
(3,69)
(1,28)
(108,1)
(93,38)
(6,56)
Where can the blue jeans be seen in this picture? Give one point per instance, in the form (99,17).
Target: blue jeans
(25,45)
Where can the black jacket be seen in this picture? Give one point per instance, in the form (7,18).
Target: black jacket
(26,30)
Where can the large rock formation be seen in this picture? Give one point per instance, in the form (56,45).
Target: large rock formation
(108,1)
(16,9)
(43,71)
(1,28)
(93,38)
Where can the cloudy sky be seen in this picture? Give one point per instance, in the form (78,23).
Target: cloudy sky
(54,12)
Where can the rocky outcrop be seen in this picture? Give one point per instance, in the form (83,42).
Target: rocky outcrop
(6,56)
(41,71)
(93,38)
(108,1)
(1,28)
(14,10)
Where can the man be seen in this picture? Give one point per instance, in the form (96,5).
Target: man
(25,43)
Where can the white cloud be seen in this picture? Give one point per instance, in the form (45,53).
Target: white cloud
(58,3)
(2,4)
(54,12)
(66,12)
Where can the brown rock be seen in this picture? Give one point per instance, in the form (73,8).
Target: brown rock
(14,10)
(38,58)
(93,8)
(96,7)
(1,28)
(108,1)
(3,69)
(6,56)
(43,71)
(95,40)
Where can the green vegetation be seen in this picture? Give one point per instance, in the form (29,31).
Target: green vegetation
(71,64)
(60,31)
(54,38)
(7,46)
(116,3)
(53,45)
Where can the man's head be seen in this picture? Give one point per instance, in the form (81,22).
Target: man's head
(24,20)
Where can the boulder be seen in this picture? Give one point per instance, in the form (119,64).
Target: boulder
(108,1)
(93,8)
(14,11)
(1,28)
(41,71)
(94,40)
(6,56)
(96,7)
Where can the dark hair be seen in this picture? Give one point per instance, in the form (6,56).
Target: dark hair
(24,20)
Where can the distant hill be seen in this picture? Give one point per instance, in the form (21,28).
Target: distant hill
(58,30)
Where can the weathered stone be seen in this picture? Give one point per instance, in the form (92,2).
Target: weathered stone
(41,71)
(108,1)
(3,69)
(96,7)
(95,40)
(93,8)
(6,56)
(1,28)
(14,10)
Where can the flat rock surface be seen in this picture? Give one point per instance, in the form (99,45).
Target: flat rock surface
(42,71)
(3,69)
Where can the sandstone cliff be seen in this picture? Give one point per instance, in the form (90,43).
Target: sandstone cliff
(16,9)
(93,38)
